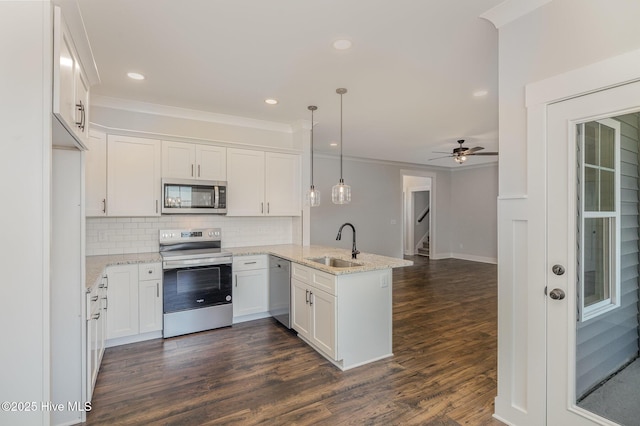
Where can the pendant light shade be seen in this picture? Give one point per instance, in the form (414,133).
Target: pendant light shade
(313,195)
(341,193)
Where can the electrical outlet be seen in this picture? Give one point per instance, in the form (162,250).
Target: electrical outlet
(384,281)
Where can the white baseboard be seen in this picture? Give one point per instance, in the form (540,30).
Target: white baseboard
(463,256)
(251,317)
(133,339)
(474,258)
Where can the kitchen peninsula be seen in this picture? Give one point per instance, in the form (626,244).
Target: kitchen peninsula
(344,313)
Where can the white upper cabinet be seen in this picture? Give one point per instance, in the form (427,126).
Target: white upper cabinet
(133,176)
(262,184)
(96,174)
(282,184)
(70,86)
(193,161)
(245,182)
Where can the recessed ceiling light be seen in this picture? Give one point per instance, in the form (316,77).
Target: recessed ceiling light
(333,144)
(271,101)
(342,44)
(480,93)
(135,76)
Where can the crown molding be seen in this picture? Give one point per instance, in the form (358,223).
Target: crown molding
(188,114)
(510,10)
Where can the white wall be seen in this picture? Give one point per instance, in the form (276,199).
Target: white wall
(474,199)
(25,169)
(375,209)
(558,37)
(377,202)
(195,125)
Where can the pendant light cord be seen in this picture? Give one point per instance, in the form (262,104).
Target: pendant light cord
(341,137)
(312,147)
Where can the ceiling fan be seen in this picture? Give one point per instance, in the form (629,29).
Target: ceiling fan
(461,153)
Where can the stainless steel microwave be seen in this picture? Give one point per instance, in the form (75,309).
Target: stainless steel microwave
(194,196)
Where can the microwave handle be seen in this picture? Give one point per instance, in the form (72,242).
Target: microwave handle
(216,196)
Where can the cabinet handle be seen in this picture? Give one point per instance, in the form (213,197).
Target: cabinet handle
(310,297)
(150,271)
(96,316)
(306,296)
(268,209)
(94,298)
(236,280)
(80,124)
(156,206)
(192,170)
(198,170)
(106,305)
(104,205)
(158,290)
(261,207)
(250,263)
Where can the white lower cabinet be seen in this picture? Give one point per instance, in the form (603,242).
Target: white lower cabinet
(346,318)
(250,288)
(135,302)
(123,319)
(96,331)
(150,304)
(313,311)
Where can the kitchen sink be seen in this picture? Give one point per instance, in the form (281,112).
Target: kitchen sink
(335,262)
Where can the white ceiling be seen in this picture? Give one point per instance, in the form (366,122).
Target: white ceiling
(410,73)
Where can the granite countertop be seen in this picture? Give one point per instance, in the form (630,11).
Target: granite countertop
(301,254)
(296,253)
(95,264)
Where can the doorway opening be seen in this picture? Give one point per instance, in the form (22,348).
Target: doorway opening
(418,217)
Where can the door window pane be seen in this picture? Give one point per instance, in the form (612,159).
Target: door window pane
(597,258)
(607,190)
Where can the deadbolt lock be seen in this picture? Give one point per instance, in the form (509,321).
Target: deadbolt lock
(558,269)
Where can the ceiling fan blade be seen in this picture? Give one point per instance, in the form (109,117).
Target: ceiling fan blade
(474,150)
(484,153)
(438,158)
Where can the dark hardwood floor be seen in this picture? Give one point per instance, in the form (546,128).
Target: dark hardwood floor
(443,371)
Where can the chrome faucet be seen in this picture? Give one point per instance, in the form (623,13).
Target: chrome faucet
(354,250)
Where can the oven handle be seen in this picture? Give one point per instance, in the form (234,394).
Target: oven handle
(187,263)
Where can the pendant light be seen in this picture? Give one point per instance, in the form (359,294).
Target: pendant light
(341,193)
(313,195)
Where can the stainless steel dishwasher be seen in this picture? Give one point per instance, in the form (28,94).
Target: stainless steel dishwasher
(280,289)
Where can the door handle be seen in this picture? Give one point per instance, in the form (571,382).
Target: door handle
(557,294)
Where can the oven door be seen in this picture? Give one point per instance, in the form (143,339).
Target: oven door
(193,284)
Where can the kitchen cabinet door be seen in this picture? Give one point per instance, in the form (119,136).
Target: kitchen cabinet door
(133,176)
(300,317)
(250,292)
(323,321)
(245,182)
(282,184)
(70,87)
(193,161)
(122,319)
(96,174)
(150,305)
(212,162)
(178,160)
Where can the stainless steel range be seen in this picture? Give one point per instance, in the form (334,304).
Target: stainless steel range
(197,281)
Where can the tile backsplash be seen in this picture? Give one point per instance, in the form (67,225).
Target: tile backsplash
(140,234)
